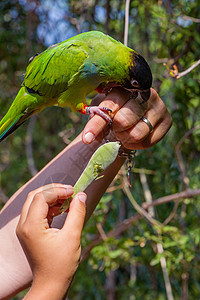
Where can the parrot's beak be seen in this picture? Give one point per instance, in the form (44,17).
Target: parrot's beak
(145,95)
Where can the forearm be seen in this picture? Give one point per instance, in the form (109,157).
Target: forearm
(65,168)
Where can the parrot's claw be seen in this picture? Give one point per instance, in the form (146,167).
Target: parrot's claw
(100,111)
(108,91)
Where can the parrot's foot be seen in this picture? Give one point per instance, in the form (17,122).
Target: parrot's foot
(108,91)
(100,111)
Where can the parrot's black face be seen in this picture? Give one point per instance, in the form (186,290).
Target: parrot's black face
(140,77)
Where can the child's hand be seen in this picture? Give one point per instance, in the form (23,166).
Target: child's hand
(53,254)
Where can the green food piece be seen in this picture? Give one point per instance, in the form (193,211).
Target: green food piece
(98,163)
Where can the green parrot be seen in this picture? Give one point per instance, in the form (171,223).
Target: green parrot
(65,73)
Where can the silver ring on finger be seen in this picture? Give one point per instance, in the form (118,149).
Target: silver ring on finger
(148,123)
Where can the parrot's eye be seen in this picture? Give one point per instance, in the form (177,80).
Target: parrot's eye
(135,83)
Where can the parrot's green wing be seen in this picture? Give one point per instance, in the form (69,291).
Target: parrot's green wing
(50,72)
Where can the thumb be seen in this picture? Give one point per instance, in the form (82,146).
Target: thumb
(76,215)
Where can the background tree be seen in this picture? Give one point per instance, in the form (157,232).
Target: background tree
(126,255)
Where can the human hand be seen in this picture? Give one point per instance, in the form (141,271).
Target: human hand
(53,254)
(127,125)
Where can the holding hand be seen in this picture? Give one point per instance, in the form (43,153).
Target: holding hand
(53,254)
(128,126)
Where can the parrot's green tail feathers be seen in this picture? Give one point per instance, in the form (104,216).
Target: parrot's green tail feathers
(9,126)
(17,114)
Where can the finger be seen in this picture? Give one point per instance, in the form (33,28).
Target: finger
(32,194)
(151,139)
(76,216)
(128,115)
(158,133)
(114,101)
(133,110)
(39,207)
(159,118)
(54,211)
(138,130)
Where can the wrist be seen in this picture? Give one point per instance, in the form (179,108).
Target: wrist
(123,151)
(47,290)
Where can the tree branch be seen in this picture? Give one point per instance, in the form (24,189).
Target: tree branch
(173,212)
(185,194)
(137,207)
(123,226)
(175,73)
(185,179)
(117,231)
(159,246)
(188,70)
(163,264)
(195,20)
(126,22)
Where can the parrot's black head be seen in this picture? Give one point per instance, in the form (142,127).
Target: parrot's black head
(140,76)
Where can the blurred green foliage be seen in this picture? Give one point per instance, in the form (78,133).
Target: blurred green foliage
(127,265)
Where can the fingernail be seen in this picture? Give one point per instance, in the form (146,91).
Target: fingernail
(82,198)
(89,137)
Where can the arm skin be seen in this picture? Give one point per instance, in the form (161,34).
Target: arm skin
(15,273)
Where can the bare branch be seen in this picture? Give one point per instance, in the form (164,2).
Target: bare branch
(113,188)
(143,170)
(188,70)
(137,207)
(123,226)
(126,22)
(147,193)
(173,213)
(195,20)
(179,155)
(111,285)
(107,16)
(185,179)
(101,231)
(117,231)
(163,262)
(186,135)
(175,73)
(163,60)
(185,194)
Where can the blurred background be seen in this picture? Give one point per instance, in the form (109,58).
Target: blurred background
(124,255)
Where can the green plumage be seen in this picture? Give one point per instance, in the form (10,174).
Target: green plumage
(66,72)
